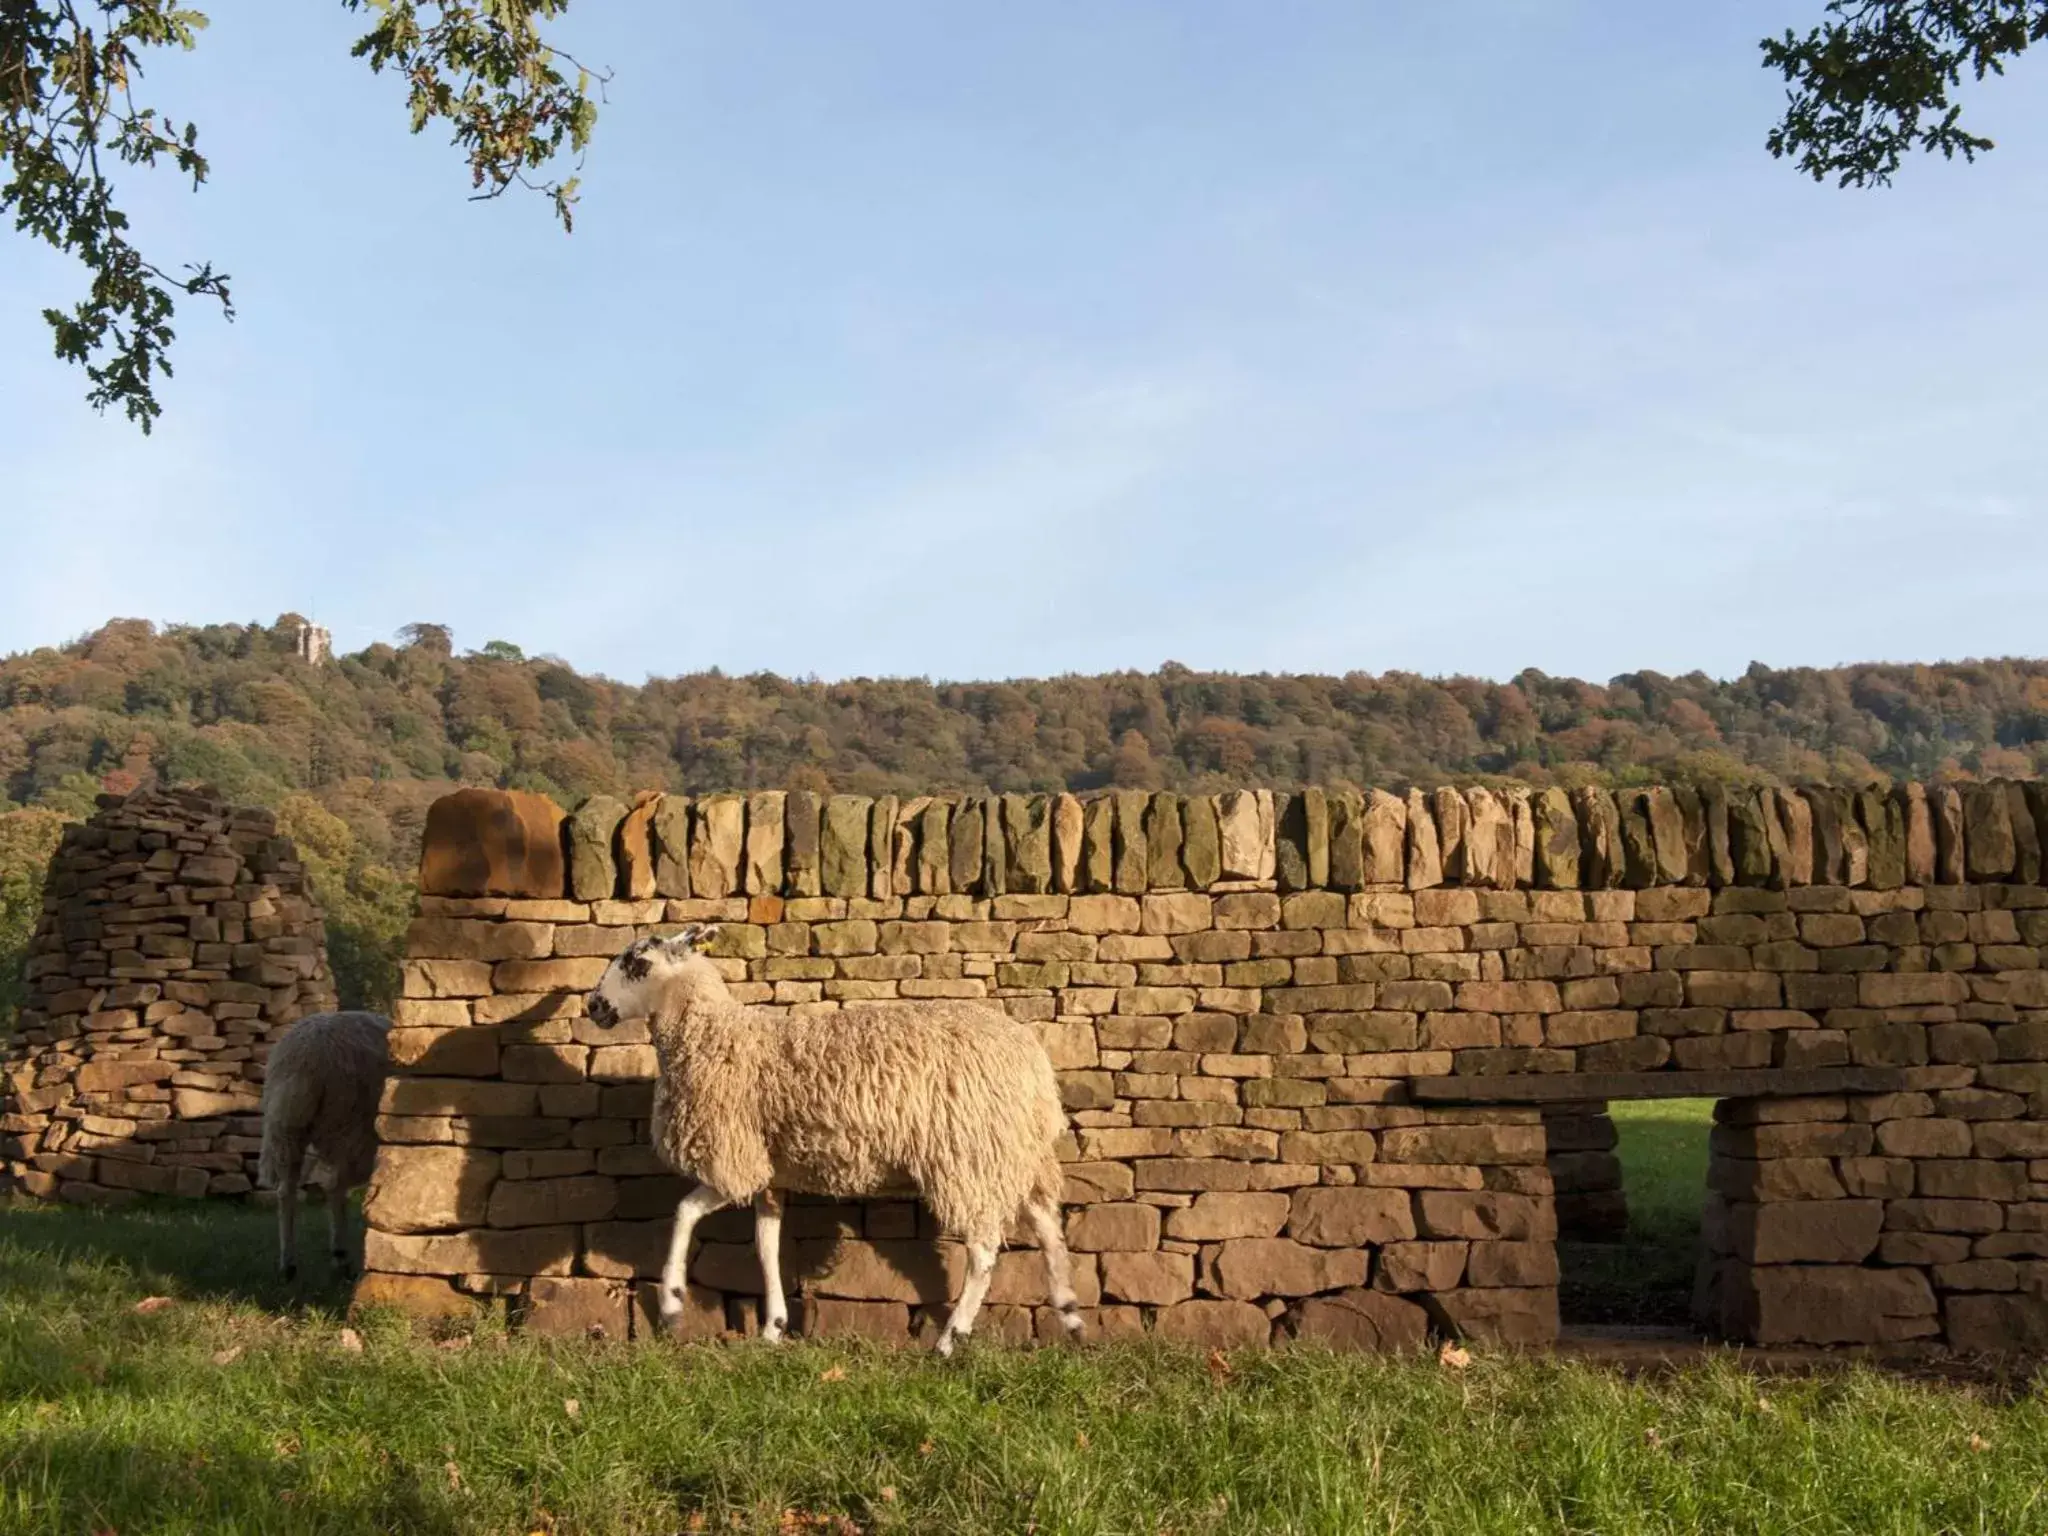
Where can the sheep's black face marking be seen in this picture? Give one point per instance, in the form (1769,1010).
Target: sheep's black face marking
(601,1012)
(634,964)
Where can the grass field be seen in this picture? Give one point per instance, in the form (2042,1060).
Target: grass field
(1646,1277)
(241,1408)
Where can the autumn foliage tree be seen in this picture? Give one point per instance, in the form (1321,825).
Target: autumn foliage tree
(352,752)
(70,121)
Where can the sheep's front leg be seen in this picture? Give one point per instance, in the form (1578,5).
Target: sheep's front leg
(694,1207)
(981,1268)
(768,1245)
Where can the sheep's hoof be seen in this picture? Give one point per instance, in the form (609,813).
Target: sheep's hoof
(1071,1321)
(772,1332)
(671,1308)
(945,1345)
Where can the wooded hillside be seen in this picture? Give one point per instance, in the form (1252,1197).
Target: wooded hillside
(351,751)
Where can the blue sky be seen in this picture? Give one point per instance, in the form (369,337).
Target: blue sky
(977,341)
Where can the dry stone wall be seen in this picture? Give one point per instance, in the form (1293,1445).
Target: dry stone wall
(1328,1056)
(177,940)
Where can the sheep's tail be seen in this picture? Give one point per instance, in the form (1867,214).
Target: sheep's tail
(291,1102)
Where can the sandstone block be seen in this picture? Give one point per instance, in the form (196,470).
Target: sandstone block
(1492,1265)
(1218,1215)
(1806,1231)
(1522,1317)
(1969,1179)
(1154,1279)
(829,1317)
(1966,1216)
(577,1307)
(1069,834)
(1424,851)
(1250,1267)
(1114,1229)
(1829,1304)
(1338,1217)
(478,1251)
(1476,1144)
(1244,821)
(1162,842)
(1420,1266)
(490,842)
(550,1202)
(1361,1319)
(417,1296)
(1027,844)
(1383,835)
(1098,844)
(1997,1325)
(1485,1214)
(884,1270)
(1988,839)
(717,845)
(843,849)
(1217,1324)
(593,867)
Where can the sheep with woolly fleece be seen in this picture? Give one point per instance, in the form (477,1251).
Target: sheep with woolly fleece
(321,1086)
(955,1097)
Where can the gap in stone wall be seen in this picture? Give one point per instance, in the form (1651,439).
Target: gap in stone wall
(1631,1182)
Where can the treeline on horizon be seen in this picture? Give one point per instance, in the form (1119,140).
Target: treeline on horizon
(351,752)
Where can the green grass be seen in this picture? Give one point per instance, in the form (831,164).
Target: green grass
(238,1409)
(1646,1278)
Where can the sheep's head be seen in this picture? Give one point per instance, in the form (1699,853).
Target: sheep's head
(631,982)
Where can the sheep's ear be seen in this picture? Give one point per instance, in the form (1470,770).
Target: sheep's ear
(692,938)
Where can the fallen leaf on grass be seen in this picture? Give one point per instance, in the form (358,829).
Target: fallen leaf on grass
(696,1522)
(572,1407)
(459,1341)
(925,1448)
(1979,1443)
(1219,1366)
(227,1356)
(1451,1357)
(888,1493)
(836,1373)
(150,1304)
(1652,1439)
(454,1475)
(1080,1439)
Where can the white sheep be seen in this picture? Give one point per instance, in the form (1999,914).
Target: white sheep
(957,1098)
(321,1086)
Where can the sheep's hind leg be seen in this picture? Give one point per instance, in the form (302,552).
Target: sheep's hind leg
(288,1214)
(693,1208)
(1044,1216)
(337,1225)
(768,1245)
(981,1268)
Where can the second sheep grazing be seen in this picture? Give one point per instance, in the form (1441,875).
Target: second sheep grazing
(955,1097)
(321,1085)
